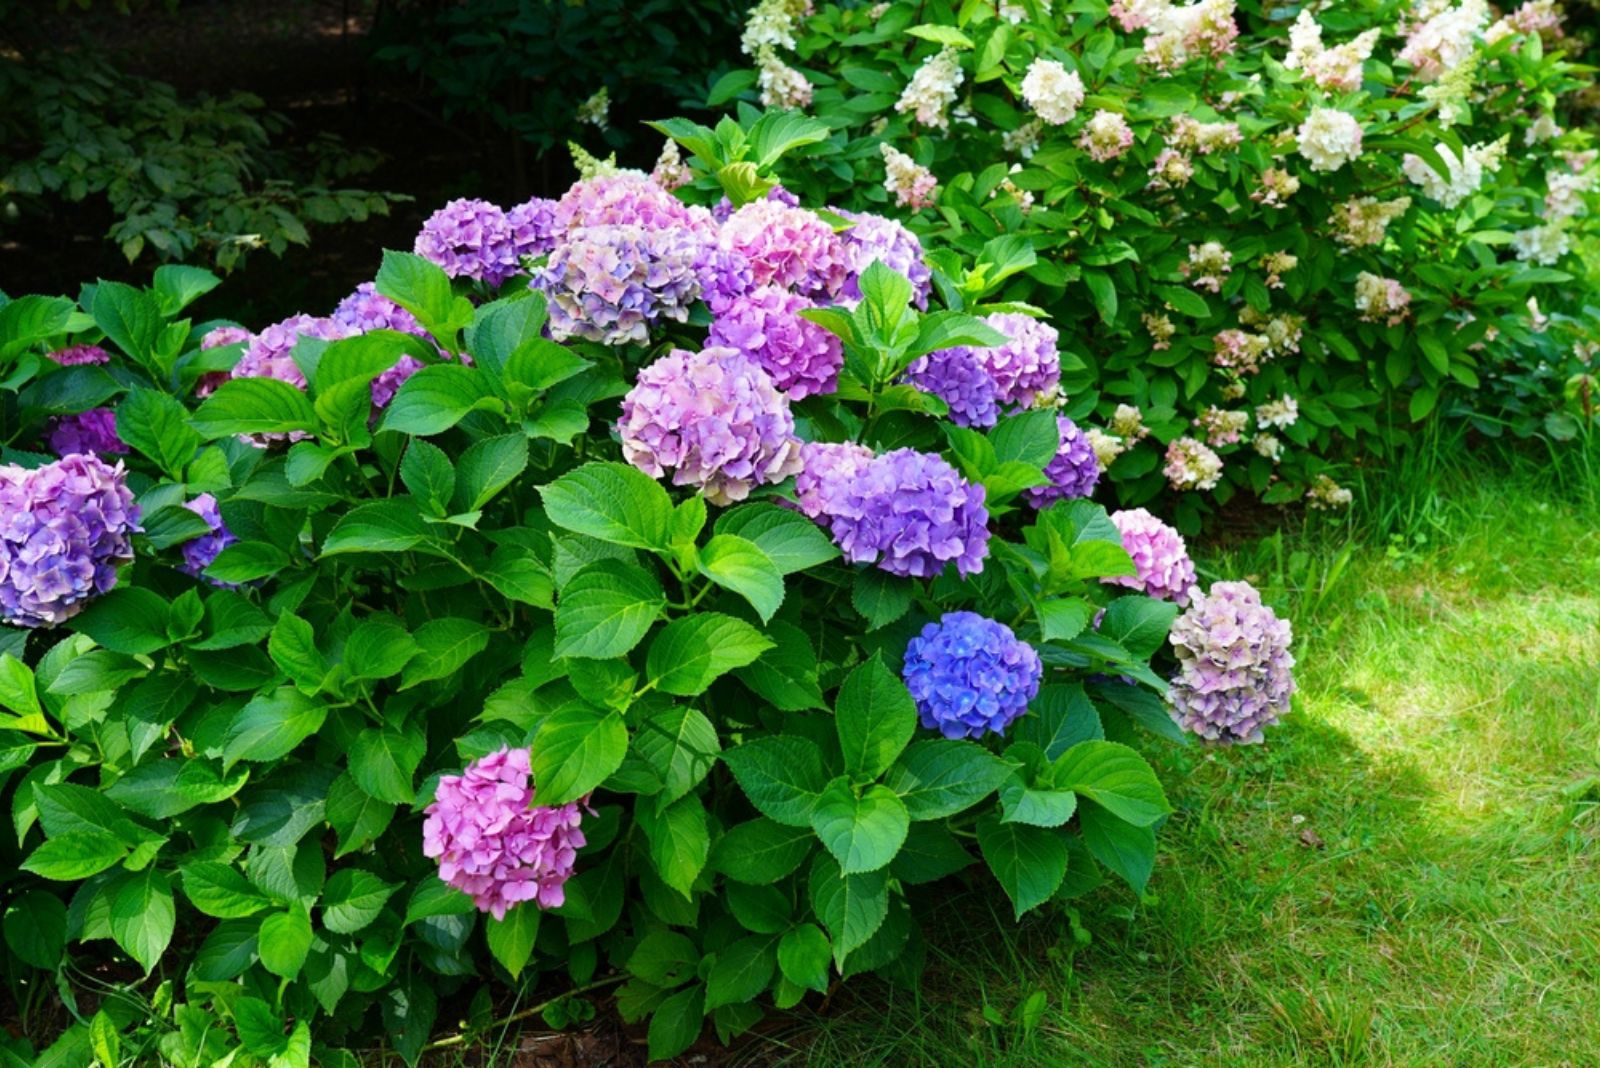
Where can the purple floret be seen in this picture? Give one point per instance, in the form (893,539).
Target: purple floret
(766,325)
(533,227)
(789,247)
(873,239)
(198,553)
(970,676)
(1235,671)
(93,431)
(623,200)
(64,530)
(957,377)
(910,513)
(1072,471)
(74,355)
(470,239)
(611,284)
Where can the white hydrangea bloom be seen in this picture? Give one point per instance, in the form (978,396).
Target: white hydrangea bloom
(1052,91)
(933,89)
(1329,139)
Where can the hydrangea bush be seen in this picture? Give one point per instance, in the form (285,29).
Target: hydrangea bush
(666,658)
(1373,211)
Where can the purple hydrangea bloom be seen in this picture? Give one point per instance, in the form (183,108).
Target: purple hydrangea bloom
(1072,471)
(367,309)
(612,283)
(910,513)
(469,239)
(957,377)
(622,200)
(533,227)
(715,419)
(874,238)
(765,325)
(93,431)
(73,355)
(825,470)
(215,339)
(493,843)
(270,353)
(63,531)
(1235,671)
(789,247)
(198,553)
(725,275)
(1026,365)
(970,676)
(1159,554)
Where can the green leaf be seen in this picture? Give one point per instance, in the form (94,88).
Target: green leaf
(1029,862)
(36,928)
(443,648)
(97,671)
(28,320)
(1128,850)
(790,540)
(880,597)
(691,653)
(740,972)
(676,1023)
(931,852)
(435,399)
(1060,717)
(162,789)
(253,406)
(177,286)
(875,717)
(605,609)
(1115,777)
(430,476)
(760,851)
(938,777)
(511,939)
(127,620)
(851,907)
(781,775)
(220,890)
(156,425)
(1062,619)
(612,502)
(143,917)
(353,899)
(423,289)
(393,525)
(664,958)
(355,815)
(803,955)
(129,318)
(944,35)
(247,561)
(75,855)
(681,745)
(283,941)
(1103,291)
(679,840)
(863,833)
(577,748)
(271,725)
(759,909)
(227,951)
(384,763)
(377,649)
(1139,624)
(739,565)
(786,674)
(1030,795)
(489,466)
(434,897)
(1029,437)
(293,647)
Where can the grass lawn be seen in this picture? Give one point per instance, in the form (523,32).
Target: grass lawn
(1407,873)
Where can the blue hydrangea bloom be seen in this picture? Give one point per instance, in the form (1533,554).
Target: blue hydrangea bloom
(970,675)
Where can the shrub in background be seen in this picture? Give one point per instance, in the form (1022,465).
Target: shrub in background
(500,624)
(1272,240)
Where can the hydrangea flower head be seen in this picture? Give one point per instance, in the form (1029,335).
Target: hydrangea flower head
(1028,363)
(1073,471)
(912,184)
(64,532)
(367,309)
(875,239)
(715,419)
(1052,91)
(826,471)
(533,227)
(270,353)
(958,377)
(74,355)
(910,513)
(1235,671)
(1106,136)
(932,89)
(1191,465)
(1330,138)
(216,338)
(620,200)
(198,553)
(970,676)
(493,843)
(469,239)
(766,326)
(789,247)
(1159,555)
(93,431)
(613,283)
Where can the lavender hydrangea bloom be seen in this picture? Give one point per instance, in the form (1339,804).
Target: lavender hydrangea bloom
(74,355)
(622,200)
(1159,554)
(469,239)
(1026,365)
(958,378)
(825,470)
(970,676)
(215,339)
(93,431)
(493,843)
(533,227)
(1235,671)
(612,283)
(1073,471)
(367,309)
(63,531)
(765,325)
(910,513)
(270,353)
(715,419)
(789,247)
(874,238)
(724,274)
(198,553)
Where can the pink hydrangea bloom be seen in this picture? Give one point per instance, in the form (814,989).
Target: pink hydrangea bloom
(79,354)
(1159,555)
(621,200)
(1235,671)
(493,843)
(789,247)
(802,357)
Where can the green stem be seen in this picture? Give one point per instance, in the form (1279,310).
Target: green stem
(523,1014)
